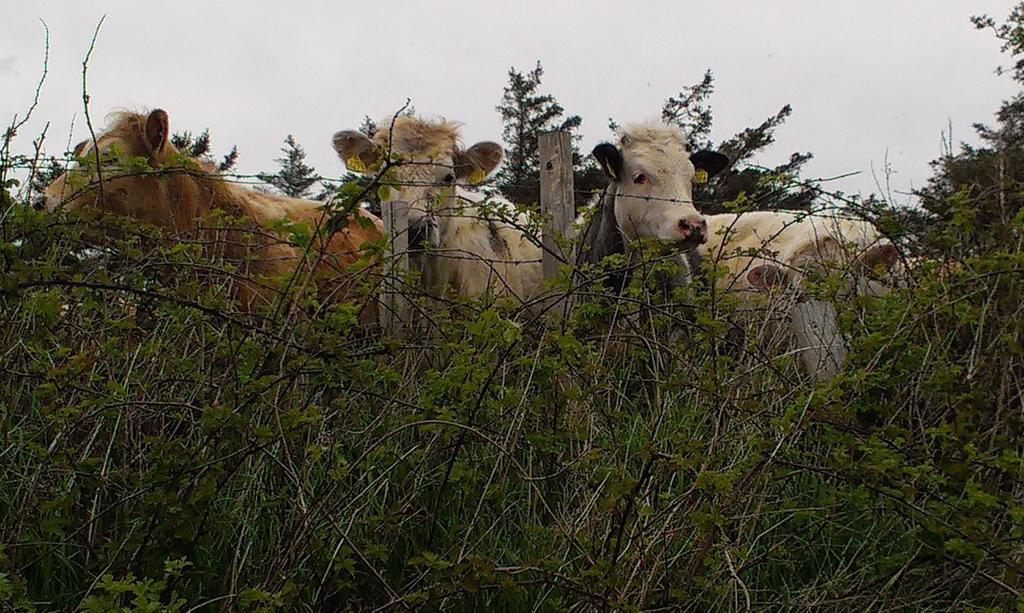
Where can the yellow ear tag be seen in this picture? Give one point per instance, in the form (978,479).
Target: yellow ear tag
(701,176)
(477,176)
(355,164)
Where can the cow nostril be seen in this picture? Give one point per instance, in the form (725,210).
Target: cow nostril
(693,225)
(693,229)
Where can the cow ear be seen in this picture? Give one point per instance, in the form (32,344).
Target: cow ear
(711,162)
(880,257)
(610,159)
(767,276)
(356,150)
(157,129)
(79,148)
(478,161)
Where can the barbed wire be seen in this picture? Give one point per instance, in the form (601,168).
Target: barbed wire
(258,180)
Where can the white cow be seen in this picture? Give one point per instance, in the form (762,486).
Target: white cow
(761,250)
(652,173)
(770,253)
(480,244)
(483,244)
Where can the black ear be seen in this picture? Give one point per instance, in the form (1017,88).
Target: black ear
(610,159)
(711,162)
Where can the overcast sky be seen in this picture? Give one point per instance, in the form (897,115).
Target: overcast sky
(866,79)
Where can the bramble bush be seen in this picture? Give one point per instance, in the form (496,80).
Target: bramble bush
(164,450)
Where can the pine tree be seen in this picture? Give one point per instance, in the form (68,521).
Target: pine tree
(295,178)
(43,177)
(1011,33)
(689,110)
(526,113)
(198,146)
(764,188)
(368,127)
(974,198)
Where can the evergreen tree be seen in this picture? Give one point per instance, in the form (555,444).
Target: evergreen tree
(764,188)
(689,110)
(43,177)
(295,178)
(198,146)
(369,126)
(526,113)
(974,197)
(1012,34)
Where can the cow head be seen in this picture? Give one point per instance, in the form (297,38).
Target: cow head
(117,184)
(425,157)
(652,173)
(870,269)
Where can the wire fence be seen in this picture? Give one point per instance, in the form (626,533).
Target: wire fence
(834,203)
(427,196)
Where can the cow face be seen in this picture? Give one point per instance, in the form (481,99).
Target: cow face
(653,174)
(426,161)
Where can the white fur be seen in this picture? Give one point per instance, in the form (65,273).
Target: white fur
(655,208)
(476,249)
(484,248)
(795,242)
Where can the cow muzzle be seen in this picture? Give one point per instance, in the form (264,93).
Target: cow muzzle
(692,231)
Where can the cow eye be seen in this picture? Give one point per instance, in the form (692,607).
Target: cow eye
(448,178)
(640,178)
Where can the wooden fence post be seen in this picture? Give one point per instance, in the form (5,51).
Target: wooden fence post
(820,346)
(394,305)
(556,203)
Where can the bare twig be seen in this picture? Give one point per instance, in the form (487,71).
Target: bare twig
(85,104)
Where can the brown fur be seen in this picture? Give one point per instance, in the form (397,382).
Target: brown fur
(178,199)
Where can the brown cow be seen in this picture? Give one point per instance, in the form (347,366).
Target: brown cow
(179,192)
